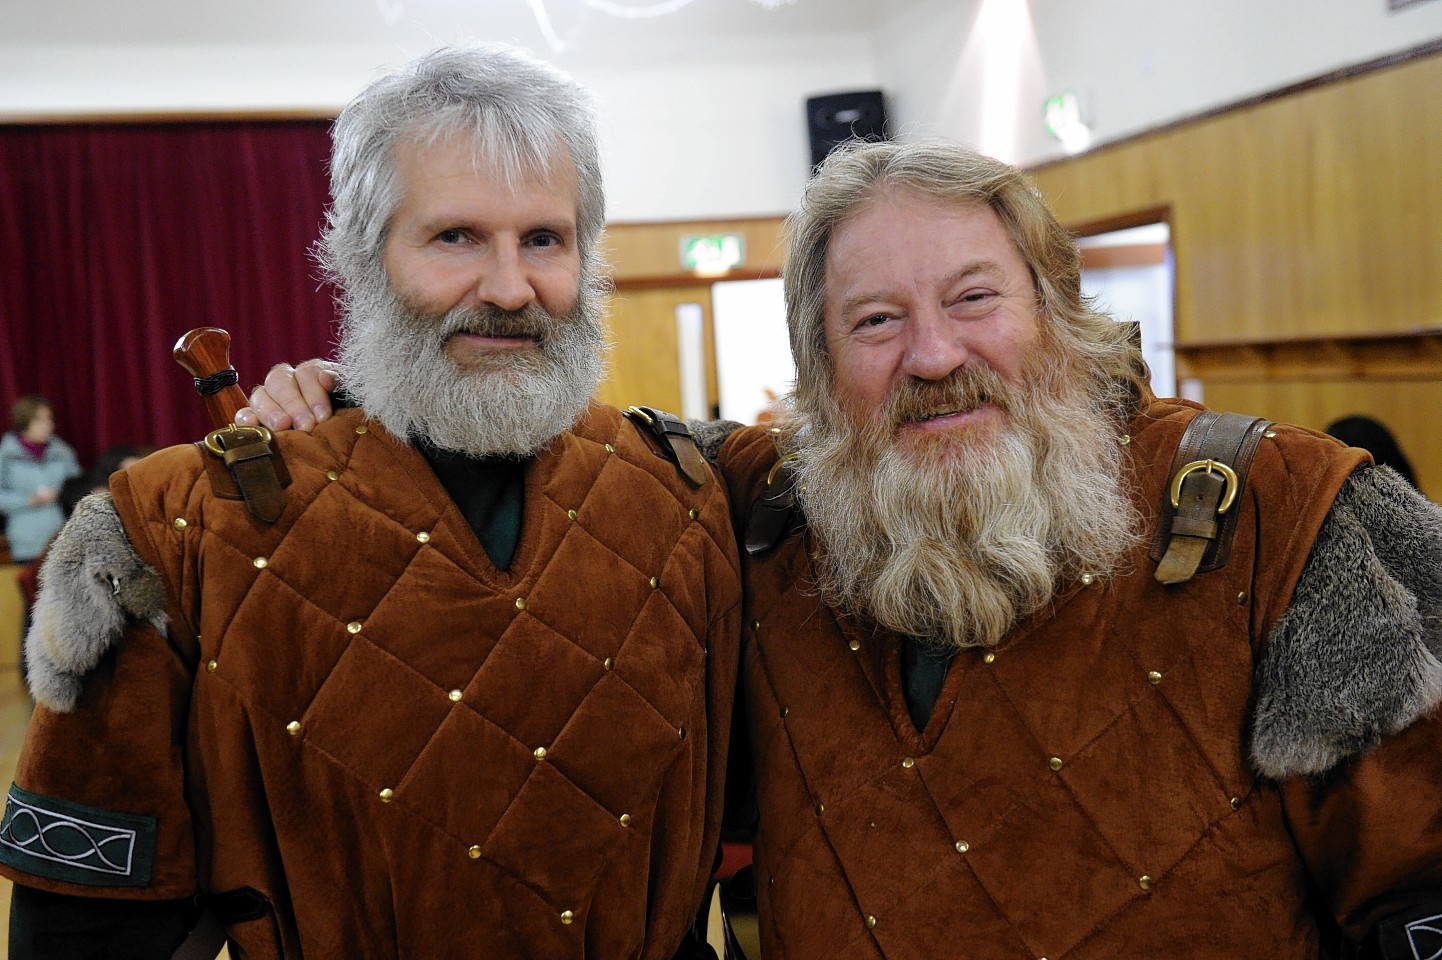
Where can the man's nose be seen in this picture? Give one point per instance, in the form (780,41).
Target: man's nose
(504,282)
(936,345)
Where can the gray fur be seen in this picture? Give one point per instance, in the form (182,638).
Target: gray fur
(92,585)
(710,434)
(1358,654)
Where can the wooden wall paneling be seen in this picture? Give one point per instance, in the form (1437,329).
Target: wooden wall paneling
(1407,407)
(643,364)
(1314,214)
(647,251)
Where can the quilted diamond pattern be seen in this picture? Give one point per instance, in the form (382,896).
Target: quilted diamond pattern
(1082,793)
(527,724)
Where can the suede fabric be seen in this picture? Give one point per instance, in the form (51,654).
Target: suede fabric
(1083,791)
(406,751)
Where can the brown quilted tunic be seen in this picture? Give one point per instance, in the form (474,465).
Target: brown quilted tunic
(407,752)
(1083,791)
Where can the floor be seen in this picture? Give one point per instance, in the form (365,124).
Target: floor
(14,717)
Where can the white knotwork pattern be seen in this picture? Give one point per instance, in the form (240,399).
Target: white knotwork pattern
(60,838)
(1430,930)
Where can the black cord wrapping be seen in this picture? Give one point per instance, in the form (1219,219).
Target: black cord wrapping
(216,382)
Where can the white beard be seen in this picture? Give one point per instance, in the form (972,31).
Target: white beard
(511,404)
(957,538)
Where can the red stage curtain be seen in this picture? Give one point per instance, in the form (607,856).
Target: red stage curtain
(115,239)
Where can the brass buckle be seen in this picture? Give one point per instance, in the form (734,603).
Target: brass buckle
(771,474)
(1229,491)
(641,415)
(212,439)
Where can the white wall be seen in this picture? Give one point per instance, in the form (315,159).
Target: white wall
(703,111)
(722,138)
(714,127)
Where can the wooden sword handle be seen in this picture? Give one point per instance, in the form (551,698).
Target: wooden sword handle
(205,352)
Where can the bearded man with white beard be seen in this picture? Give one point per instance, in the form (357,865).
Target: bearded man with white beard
(1003,702)
(468,692)
(988,716)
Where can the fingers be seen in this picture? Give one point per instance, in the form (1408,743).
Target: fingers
(316,379)
(277,403)
(292,397)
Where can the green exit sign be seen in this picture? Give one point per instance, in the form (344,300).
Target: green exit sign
(713,252)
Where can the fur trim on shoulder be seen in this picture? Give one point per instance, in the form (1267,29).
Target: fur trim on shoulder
(92,585)
(710,434)
(1358,654)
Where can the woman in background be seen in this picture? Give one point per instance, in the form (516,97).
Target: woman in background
(34,464)
(1371,435)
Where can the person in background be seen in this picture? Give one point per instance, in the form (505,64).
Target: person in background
(1373,436)
(462,686)
(34,465)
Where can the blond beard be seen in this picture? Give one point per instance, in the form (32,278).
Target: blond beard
(956,538)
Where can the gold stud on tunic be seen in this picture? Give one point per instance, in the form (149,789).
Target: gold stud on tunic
(655,582)
(610,449)
(1154,678)
(988,657)
(1270,434)
(520,603)
(855,645)
(609,663)
(260,563)
(353,628)
(1054,763)
(423,537)
(962,846)
(908,763)
(455,696)
(211,666)
(625,819)
(1236,803)
(1124,439)
(1145,882)
(567,916)
(474,853)
(293,728)
(539,753)
(694,513)
(332,475)
(362,429)
(179,523)
(1242,599)
(387,795)
(570,514)
(870,921)
(1088,579)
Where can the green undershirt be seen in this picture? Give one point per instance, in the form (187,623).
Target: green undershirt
(489,492)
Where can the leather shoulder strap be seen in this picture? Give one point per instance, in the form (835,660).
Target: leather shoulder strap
(1208,475)
(776,514)
(671,438)
(243,464)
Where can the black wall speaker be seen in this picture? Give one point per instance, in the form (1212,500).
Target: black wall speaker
(838,117)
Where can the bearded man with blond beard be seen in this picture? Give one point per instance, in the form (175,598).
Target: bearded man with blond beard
(981,725)
(467,691)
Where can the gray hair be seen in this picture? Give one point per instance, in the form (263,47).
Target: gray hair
(517,111)
(857,173)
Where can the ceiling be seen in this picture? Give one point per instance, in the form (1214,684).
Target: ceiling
(585,33)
